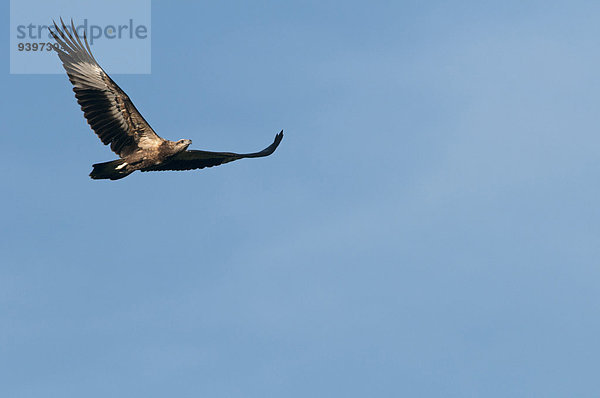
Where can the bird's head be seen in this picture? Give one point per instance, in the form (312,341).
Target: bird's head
(183,144)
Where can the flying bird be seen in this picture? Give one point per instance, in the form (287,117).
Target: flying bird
(116,121)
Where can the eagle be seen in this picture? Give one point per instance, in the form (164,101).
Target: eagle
(116,121)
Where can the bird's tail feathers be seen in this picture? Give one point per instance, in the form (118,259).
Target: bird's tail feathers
(113,170)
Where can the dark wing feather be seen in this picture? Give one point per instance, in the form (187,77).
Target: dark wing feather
(189,160)
(107,108)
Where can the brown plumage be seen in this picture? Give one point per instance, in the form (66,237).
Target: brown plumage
(117,122)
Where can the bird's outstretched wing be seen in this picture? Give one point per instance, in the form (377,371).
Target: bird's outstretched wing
(189,160)
(107,108)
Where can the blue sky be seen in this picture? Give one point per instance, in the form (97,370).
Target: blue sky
(428,227)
